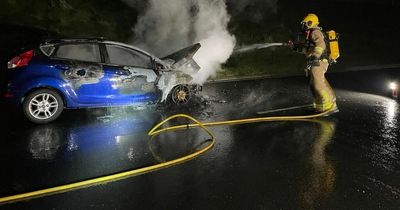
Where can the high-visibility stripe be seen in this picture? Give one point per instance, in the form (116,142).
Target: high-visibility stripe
(319,50)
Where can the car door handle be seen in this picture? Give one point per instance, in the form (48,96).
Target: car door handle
(62,67)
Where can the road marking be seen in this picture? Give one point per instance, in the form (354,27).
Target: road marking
(285,109)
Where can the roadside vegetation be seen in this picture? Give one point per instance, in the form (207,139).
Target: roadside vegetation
(269,61)
(111,19)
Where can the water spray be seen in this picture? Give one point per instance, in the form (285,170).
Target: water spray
(258,47)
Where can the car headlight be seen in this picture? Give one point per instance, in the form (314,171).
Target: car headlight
(393,85)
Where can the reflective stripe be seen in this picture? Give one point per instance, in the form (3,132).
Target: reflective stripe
(327,102)
(319,50)
(324,107)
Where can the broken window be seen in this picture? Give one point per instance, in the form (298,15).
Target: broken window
(125,57)
(81,52)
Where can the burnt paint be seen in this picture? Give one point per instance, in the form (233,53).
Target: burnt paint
(135,81)
(79,74)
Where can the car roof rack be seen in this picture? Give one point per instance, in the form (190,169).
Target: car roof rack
(73,39)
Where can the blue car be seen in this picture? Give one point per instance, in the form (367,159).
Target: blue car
(94,72)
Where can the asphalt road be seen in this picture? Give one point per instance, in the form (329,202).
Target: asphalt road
(350,160)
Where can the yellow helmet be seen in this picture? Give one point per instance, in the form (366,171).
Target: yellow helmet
(310,21)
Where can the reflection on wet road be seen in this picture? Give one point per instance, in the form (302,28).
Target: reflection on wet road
(348,160)
(320,183)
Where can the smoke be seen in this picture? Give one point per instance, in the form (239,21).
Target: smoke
(217,43)
(167,26)
(164,27)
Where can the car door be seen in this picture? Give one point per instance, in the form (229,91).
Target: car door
(134,78)
(80,66)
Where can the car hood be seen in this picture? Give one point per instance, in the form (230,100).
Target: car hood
(177,69)
(183,58)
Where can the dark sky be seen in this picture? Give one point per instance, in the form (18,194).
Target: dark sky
(370,29)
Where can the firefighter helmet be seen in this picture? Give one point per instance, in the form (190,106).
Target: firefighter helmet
(310,21)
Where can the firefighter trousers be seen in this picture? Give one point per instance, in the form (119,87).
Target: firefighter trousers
(324,97)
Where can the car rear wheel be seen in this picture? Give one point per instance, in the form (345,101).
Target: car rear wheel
(180,94)
(43,106)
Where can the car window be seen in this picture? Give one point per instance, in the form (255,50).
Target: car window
(83,52)
(47,49)
(126,57)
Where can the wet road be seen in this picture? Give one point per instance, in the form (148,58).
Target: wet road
(347,161)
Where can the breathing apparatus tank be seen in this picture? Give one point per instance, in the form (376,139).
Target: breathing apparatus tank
(333,45)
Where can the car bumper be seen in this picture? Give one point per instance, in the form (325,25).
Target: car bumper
(11,97)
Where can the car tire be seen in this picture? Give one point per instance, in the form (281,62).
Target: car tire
(180,95)
(42,106)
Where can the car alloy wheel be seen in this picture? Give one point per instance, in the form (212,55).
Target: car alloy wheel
(43,106)
(181,94)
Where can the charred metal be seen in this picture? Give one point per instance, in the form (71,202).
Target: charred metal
(79,75)
(176,69)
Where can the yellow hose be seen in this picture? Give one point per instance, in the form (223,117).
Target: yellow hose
(156,130)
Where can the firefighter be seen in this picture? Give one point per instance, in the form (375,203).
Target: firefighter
(316,50)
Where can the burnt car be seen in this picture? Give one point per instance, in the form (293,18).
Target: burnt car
(93,72)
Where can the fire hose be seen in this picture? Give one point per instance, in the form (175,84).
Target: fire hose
(155,131)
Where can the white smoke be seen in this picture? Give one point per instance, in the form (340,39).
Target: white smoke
(217,43)
(167,26)
(164,27)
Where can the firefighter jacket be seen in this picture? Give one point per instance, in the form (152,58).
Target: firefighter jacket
(317,47)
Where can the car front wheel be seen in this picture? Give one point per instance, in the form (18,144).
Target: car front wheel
(180,94)
(43,106)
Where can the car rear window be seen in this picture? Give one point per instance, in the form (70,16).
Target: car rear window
(81,52)
(126,57)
